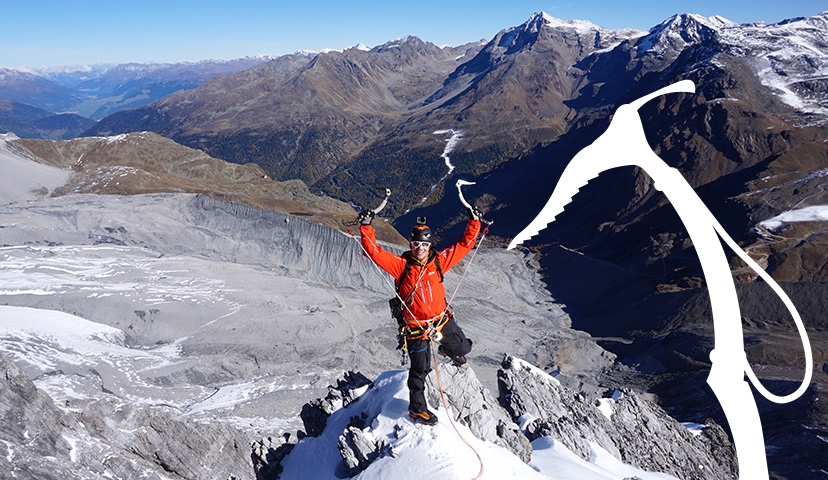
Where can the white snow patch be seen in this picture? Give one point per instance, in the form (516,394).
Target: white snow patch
(230,396)
(524,420)
(607,405)
(535,370)
(45,330)
(115,139)
(73,448)
(556,462)
(816,213)
(451,144)
(10,452)
(581,26)
(695,428)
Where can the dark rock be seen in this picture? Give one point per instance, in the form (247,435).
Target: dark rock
(359,449)
(268,453)
(348,389)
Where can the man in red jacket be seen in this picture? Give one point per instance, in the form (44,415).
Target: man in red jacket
(424,308)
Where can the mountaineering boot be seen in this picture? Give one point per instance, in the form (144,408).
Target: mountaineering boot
(458,360)
(426,417)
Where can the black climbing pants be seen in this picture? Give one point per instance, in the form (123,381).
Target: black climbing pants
(419,351)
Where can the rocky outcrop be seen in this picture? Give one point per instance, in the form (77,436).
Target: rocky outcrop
(629,427)
(268,454)
(473,405)
(178,446)
(359,449)
(347,390)
(32,428)
(109,439)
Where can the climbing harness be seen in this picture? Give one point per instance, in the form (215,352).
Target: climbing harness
(429,330)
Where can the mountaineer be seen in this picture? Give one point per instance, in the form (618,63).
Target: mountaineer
(422,312)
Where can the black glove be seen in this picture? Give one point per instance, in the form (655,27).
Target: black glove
(365,217)
(474,213)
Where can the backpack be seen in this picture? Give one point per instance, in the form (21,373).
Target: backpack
(396,302)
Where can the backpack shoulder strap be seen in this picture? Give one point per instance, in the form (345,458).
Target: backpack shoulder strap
(437,264)
(407,257)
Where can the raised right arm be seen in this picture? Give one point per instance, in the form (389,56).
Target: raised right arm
(391,263)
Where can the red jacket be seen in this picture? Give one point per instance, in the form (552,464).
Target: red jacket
(429,299)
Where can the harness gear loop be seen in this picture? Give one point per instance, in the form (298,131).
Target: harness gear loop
(431,330)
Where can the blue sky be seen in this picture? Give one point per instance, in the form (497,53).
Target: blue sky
(49,33)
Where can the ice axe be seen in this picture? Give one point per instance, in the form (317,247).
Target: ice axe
(375,210)
(624,144)
(460,184)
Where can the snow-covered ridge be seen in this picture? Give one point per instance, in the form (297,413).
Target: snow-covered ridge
(790,57)
(581,26)
(438,452)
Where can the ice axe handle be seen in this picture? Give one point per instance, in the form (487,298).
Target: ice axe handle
(375,210)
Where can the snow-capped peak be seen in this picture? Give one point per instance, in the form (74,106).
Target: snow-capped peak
(599,37)
(679,31)
(581,26)
(398,42)
(689,27)
(693,21)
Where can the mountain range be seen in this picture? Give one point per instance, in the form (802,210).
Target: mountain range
(511,112)
(89,93)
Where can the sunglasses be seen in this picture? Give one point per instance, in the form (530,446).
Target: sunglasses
(420,244)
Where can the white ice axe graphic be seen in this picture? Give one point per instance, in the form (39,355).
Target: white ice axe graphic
(624,144)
